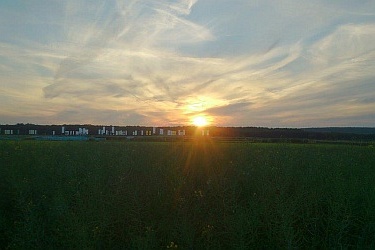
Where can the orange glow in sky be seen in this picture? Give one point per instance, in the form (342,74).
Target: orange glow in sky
(200,121)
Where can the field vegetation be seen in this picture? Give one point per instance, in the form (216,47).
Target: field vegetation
(187,195)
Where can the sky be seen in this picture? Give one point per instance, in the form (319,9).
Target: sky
(267,63)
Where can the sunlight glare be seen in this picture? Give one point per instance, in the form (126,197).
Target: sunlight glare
(200,121)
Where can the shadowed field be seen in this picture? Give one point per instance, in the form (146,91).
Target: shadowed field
(193,195)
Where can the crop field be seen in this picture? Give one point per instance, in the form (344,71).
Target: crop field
(186,195)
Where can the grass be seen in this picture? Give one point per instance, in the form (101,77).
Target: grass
(193,195)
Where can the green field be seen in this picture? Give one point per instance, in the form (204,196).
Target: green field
(193,195)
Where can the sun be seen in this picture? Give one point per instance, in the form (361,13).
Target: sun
(200,121)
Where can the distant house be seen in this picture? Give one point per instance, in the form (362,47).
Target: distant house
(73,131)
(205,132)
(181,132)
(8,131)
(33,132)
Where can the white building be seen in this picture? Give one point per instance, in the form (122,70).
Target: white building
(79,132)
(205,132)
(8,131)
(181,132)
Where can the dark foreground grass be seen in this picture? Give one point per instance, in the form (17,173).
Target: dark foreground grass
(199,195)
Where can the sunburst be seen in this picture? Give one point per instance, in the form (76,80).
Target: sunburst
(200,121)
